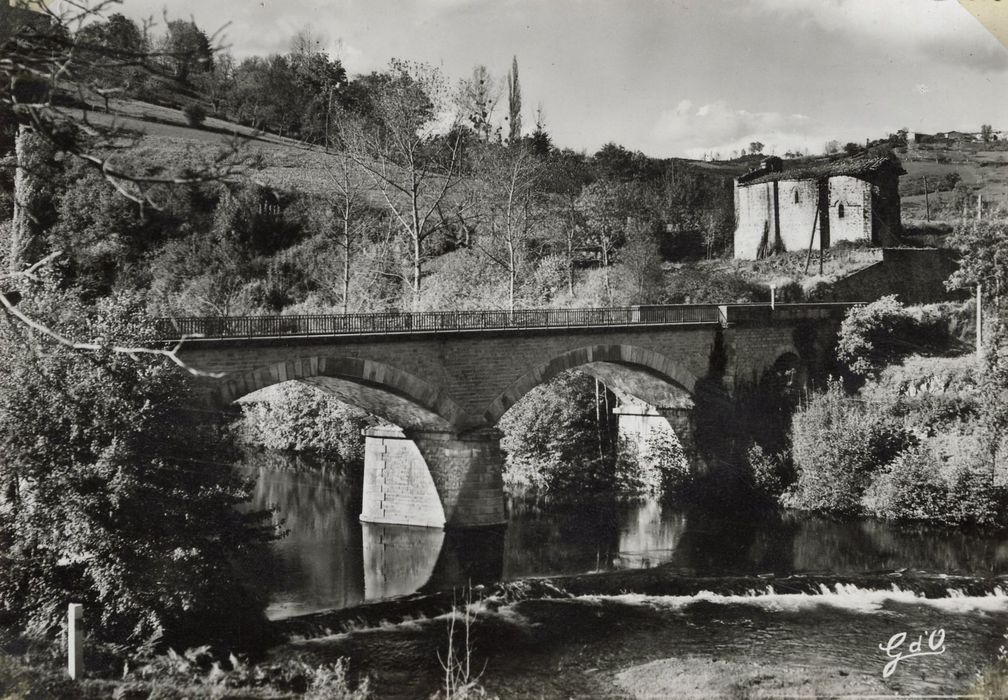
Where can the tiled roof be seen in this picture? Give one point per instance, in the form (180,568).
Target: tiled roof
(860,165)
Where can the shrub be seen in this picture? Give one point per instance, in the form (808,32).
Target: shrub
(975,498)
(883,332)
(770,472)
(837,443)
(909,488)
(195,115)
(704,285)
(913,487)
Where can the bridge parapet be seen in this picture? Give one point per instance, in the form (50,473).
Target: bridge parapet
(437,322)
(426,322)
(765,314)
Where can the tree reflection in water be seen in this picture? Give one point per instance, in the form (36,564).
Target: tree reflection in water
(330,560)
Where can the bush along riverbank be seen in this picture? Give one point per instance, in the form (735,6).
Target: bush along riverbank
(914,431)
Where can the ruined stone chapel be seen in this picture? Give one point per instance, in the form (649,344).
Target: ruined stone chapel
(792,205)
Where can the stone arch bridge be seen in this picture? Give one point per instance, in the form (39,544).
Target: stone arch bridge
(445,379)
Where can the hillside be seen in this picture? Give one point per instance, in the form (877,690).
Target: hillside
(981,168)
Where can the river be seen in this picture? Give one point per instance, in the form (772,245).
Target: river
(656,598)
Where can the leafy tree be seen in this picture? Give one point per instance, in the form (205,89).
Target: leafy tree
(832,147)
(114,492)
(119,36)
(756,147)
(319,79)
(100,231)
(540,141)
(983,247)
(559,438)
(266,94)
(987,133)
(186,49)
(614,162)
(478,99)
(218,85)
(301,418)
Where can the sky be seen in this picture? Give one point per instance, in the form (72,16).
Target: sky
(667,77)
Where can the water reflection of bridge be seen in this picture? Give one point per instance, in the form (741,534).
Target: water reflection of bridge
(332,560)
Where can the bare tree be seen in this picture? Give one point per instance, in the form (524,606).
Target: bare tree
(604,206)
(412,157)
(567,176)
(640,261)
(349,198)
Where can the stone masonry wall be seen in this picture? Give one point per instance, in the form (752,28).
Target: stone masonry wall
(855,195)
(796,214)
(915,276)
(398,487)
(433,479)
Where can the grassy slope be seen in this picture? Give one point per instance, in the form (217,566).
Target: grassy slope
(984,169)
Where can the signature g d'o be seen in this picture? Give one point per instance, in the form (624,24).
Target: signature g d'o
(935,643)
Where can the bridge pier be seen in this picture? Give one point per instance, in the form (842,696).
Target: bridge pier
(640,422)
(433,479)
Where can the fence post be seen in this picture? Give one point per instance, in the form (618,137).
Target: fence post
(75,640)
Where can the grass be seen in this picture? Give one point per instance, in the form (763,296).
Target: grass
(982,167)
(702,677)
(778,269)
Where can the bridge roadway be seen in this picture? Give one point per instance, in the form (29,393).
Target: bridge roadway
(442,380)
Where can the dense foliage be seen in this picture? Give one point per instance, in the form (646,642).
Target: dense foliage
(932,456)
(837,444)
(561,437)
(116,493)
(883,332)
(299,418)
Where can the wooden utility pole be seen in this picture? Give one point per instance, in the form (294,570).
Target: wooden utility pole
(979,321)
(808,258)
(927,201)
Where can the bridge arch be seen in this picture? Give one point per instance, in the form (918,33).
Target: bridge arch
(376,387)
(604,361)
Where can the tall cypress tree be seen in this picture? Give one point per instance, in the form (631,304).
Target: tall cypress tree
(514,103)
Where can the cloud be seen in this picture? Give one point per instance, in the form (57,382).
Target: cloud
(718,127)
(938,29)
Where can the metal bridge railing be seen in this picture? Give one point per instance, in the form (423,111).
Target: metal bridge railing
(433,321)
